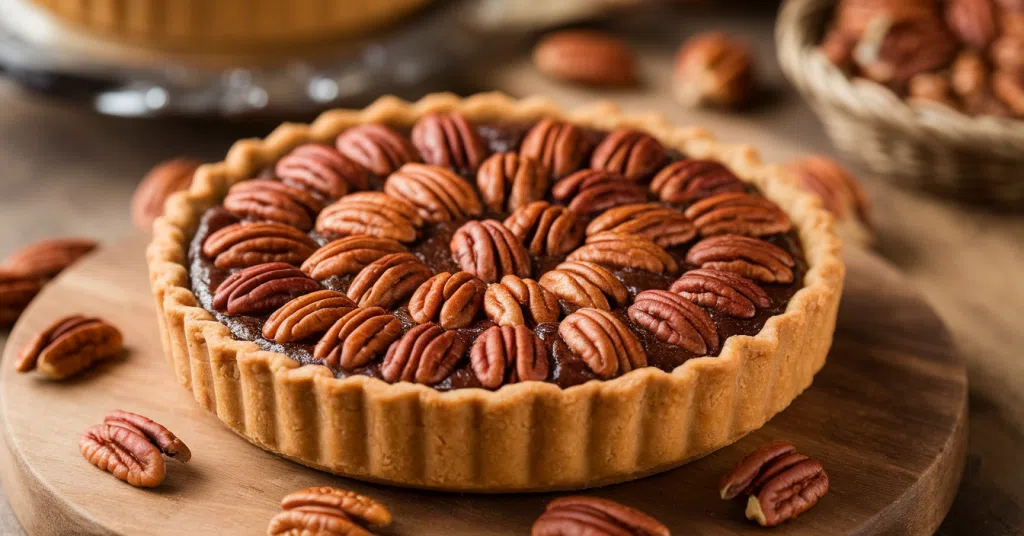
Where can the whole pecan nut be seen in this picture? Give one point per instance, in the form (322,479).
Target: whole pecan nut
(348,255)
(546,229)
(438,194)
(713,68)
(625,251)
(47,258)
(582,515)
(740,480)
(261,289)
(131,447)
(307,316)
(675,320)
(591,191)
(586,57)
(246,244)
(633,154)
(451,300)
(372,214)
(508,354)
(16,292)
(357,337)
(338,503)
(725,292)
(69,346)
(666,226)
(489,250)
(603,342)
(834,185)
(559,147)
(323,170)
(738,213)
(426,354)
(153,190)
(270,200)
(314,520)
(515,301)
(585,284)
(388,280)
(750,257)
(972,21)
(508,181)
(157,434)
(450,141)
(688,181)
(376,148)
(791,491)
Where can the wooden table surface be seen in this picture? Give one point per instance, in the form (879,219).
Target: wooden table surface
(67,171)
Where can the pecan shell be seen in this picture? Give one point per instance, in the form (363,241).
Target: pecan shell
(451,300)
(47,258)
(689,181)
(323,170)
(625,251)
(426,354)
(740,480)
(508,354)
(348,255)
(515,301)
(307,316)
(725,292)
(16,292)
(665,226)
(585,284)
(559,147)
(438,194)
(675,320)
(586,57)
(546,229)
(153,190)
(69,346)
(371,214)
(262,288)
(450,141)
(603,342)
(713,68)
(388,280)
(582,515)
(131,447)
(357,337)
(489,250)
(270,200)
(834,185)
(972,21)
(349,503)
(788,494)
(591,191)
(246,244)
(633,154)
(752,258)
(376,148)
(738,213)
(508,181)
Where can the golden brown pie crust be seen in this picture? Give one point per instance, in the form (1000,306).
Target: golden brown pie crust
(527,436)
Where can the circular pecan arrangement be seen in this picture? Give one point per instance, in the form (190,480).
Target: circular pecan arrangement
(459,254)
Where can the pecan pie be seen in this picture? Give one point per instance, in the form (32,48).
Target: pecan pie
(516,298)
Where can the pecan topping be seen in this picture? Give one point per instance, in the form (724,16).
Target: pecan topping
(48,258)
(451,300)
(740,480)
(780,483)
(546,229)
(515,301)
(307,316)
(246,244)
(323,170)
(270,200)
(585,284)
(508,354)
(448,140)
(581,515)
(725,292)
(357,337)
(630,153)
(972,21)
(835,186)
(508,181)
(16,292)
(752,258)
(437,193)
(131,447)
(603,342)
(348,255)
(376,148)
(426,354)
(489,250)
(372,214)
(625,251)
(153,190)
(713,68)
(388,280)
(591,191)
(559,147)
(587,57)
(70,346)
(738,213)
(262,288)
(667,227)
(349,503)
(675,320)
(688,181)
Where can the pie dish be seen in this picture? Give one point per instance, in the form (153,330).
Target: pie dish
(646,346)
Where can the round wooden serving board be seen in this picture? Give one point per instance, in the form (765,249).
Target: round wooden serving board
(886,417)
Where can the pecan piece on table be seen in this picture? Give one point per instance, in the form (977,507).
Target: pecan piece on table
(675,320)
(449,140)
(388,280)
(585,284)
(69,346)
(972,21)
(426,354)
(591,191)
(357,337)
(788,494)
(630,153)
(489,250)
(153,190)
(689,181)
(713,68)
(750,257)
(834,185)
(583,515)
(508,181)
(47,258)
(16,291)
(270,200)
(438,194)
(307,316)
(131,447)
(515,301)
(261,289)
(603,342)
(725,292)
(246,244)
(371,214)
(451,300)
(508,354)
(666,226)
(740,480)
(348,255)
(586,57)
(738,213)
(325,510)
(546,229)
(323,170)
(625,251)
(376,148)
(559,147)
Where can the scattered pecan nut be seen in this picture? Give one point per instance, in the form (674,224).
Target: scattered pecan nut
(508,181)
(665,226)
(246,244)
(752,258)
(489,250)
(262,288)
(625,251)
(675,320)
(270,200)
(388,280)
(508,354)
(307,316)
(780,483)
(70,346)
(451,300)
(47,258)
(591,191)
(586,57)
(450,141)
(972,21)
(328,511)
(546,229)
(740,480)
(559,147)
(515,301)
(582,515)
(370,214)
(689,181)
(426,354)
(357,337)
(713,68)
(323,170)
(738,213)
(16,291)
(633,154)
(585,284)
(348,255)
(376,148)
(725,292)
(153,190)
(834,185)
(438,194)
(131,447)
(603,342)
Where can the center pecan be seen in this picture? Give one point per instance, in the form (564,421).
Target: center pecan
(489,250)
(449,140)
(546,229)
(357,337)
(689,181)
(426,354)
(675,320)
(438,194)
(665,226)
(725,292)
(581,515)
(270,200)
(371,214)
(630,153)
(389,280)
(69,346)
(508,354)
(603,342)
(307,316)
(592,191)
(508,181)
(262,288)
(738,213)
(131,447)
(749,257)
(559,147)
(376,148)
(452,300)
(348,255)
(585,284)
(48,258)
(321,169)
(625,251)
(514,301)
(246,244)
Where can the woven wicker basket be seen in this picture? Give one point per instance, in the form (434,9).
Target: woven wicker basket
(921,145)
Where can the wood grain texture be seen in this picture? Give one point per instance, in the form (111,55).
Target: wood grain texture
(886,416)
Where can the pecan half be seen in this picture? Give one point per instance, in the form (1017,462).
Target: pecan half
(508,354)
(675,320)
(725,292)
(581,515)
(834,185)
(376,148)
(630,153)
(349,503)
(591,191)
(262,288)
(371,214)
(625,251)
(307,316)
(585,284)
(156,433)
(489,250)
(452,300)
(738,213)
(546,229)
(47,258)
(713,68)
(153,190)
(388,280)
(426,354)
(450,141)
(131,447)
(323,170)
(665,226)
(516,301)
(788,494)
(438,194)
(357,337)
(270,200)
(752,258)
(246,244)
(603,342)
(586,57)
(972,21)
(508,181)
(892,51)
(348,255)
(316,521)
(688,181)
(16,292)
(740,480)
(559,147)
(69,346)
